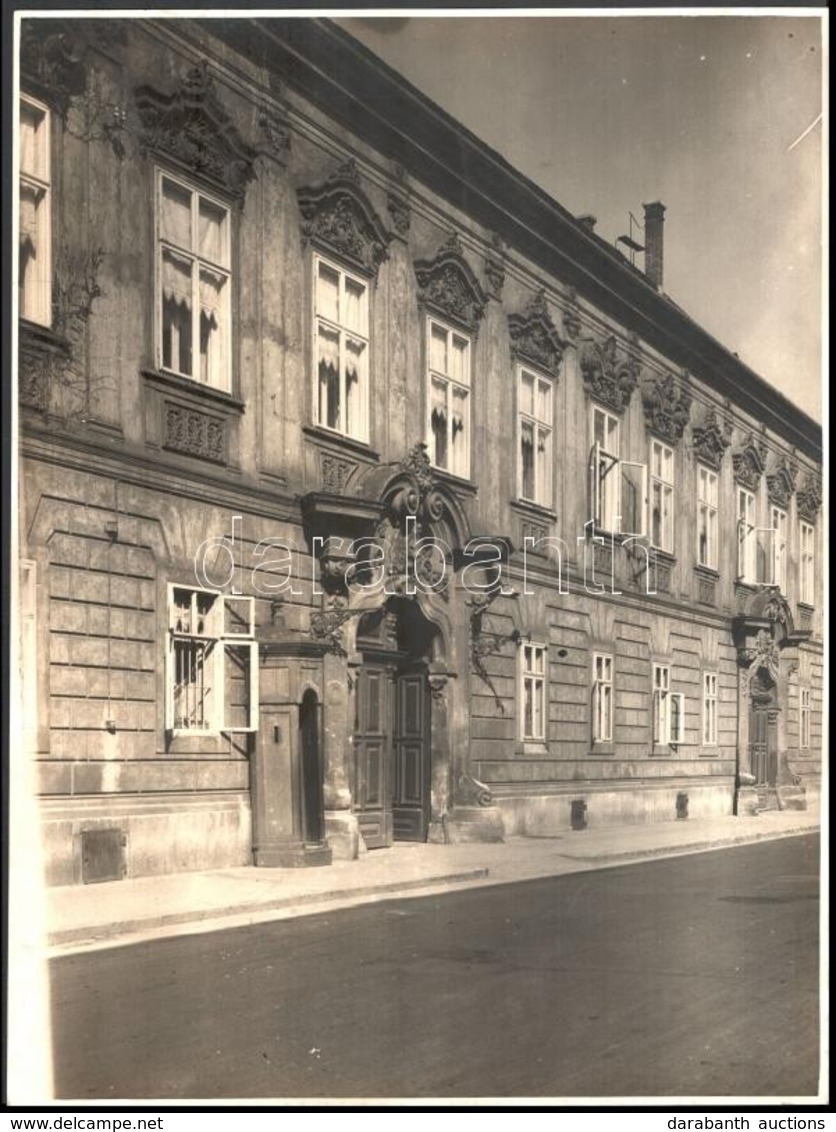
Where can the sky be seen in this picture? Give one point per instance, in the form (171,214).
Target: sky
(706,113)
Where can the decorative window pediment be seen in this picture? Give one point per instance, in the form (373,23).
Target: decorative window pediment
(534,337)
(447,285)
(191,128)
(780,484)
(610,375)
(667,406)
(749,463)
(337,217)
(52,61)
(711,439)
(809,498)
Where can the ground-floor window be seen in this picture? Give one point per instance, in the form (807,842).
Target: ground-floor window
(533,692)
(804,738)
(668,709)
(709,709)
(211,663)
(602,689)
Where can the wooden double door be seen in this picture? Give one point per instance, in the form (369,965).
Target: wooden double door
(392,753)
(763,733)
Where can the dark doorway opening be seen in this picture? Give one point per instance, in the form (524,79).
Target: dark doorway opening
(313,806)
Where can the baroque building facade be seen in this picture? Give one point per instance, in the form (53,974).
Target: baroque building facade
(365,493)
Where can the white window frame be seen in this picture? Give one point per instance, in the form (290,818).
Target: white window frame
(779,525)
(709,709)
(666,488)
(708,488)
(533,679)
(464,389)
(542,431)
(227,626)
(344,332)
(223,378)
(668,710)
(806,562)
(746,535)
(602,697)
(35,288)
(804,713)
(607,476)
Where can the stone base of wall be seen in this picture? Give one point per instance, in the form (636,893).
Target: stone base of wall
(162,833)
(548,815)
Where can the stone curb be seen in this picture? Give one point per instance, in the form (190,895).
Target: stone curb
(103,932)
(691,846)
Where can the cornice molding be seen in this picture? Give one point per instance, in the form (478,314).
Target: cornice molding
(667,406)
(448,286)
(191,128)
(610,374)
(337,217)
(534,337)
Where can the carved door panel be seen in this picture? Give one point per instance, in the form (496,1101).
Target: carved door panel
(759,731)
(372,741)
(411,800)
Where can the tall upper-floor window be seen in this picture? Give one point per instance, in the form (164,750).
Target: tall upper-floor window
(194,282)
(532,679)
(779,549)
(602,699)
(341,349)
(35,250)
(536,433)
(707,501)
(661,495)
(806,563)
(448,398)
(804,719)
(709,709)
(618,488)
(746,537)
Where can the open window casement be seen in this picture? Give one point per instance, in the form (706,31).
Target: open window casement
(238,616)
(668,718)
(676,718)
(617,492)
(239,661)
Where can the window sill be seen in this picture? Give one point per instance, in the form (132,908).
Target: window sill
(459,483)
(35,337)
(529,747)
(193,389)
(806,607)
(607,749)
(535,510)
(339,440)
(707,572)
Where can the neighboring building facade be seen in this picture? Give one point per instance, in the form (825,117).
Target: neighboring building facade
(280,319)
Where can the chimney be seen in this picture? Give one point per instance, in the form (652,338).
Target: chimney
(588,221)
(654,239)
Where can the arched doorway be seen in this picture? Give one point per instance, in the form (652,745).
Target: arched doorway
(392,741)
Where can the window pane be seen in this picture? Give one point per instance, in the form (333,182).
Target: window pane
(544,467)
(458,433)
(176,218)
(438,421)
(354,316)
(438,349)
(212,234)
(544,402)
(527,393)
(328,347)
(328,293)
(355,360)
(527,459)
(528,707)
(33,153)
(460,360)
(192,685)
(177,312)
(213,327)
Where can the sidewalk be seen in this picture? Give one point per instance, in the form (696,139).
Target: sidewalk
(83,916)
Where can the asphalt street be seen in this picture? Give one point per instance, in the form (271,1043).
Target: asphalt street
(688,976)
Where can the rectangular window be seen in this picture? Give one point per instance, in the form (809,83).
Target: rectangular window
(35,238)
(709,709)
(707,499)
(668,709)
(661,495)
(746,537)
(602,698)
(779,549)
(535,419)
(605,470)
(804,720)
(448,398)
(341,304)
(211,663)
(194,282)
(807,559)
(533,692)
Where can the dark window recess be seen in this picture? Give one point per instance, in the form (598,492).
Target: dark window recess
(578,814)
(682,806)
(102,855)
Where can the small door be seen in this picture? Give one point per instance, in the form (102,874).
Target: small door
(312,799)
(759,728)
(372,787)
(411,787)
